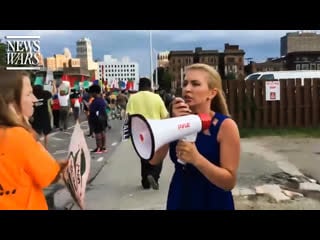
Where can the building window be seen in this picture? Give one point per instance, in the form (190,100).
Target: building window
(230,60)
(298,67)
(305,66)
(318,66)
(312,66)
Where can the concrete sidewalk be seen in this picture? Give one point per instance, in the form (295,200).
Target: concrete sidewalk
(117,187)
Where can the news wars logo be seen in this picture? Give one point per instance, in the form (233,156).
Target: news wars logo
(23,52)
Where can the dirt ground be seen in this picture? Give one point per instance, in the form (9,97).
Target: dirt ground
(304,154)
(265,203)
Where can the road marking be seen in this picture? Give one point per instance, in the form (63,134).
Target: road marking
(99,159)
(114,143)
(60,151)
(58,131)
(85,122)
(57,139)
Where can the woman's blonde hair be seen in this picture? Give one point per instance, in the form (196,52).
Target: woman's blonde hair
(218,103)
(11,84)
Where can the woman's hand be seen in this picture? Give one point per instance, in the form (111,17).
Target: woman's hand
(63,164)
(179,108)
(63,167)
(187,152)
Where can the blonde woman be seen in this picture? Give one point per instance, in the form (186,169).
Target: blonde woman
(209,174)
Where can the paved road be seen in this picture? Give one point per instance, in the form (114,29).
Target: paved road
(59,143)
(117,187)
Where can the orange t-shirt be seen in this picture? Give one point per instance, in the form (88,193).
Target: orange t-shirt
(26,167)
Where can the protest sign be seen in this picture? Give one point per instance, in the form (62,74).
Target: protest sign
(125,130)
(77,172)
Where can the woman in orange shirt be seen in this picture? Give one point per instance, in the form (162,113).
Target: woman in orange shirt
(26,167)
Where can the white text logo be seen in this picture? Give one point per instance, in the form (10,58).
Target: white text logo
(23,52)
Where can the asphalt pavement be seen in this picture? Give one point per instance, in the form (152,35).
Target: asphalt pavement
(58,144)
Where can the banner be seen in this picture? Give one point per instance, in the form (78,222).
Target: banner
(125,130)
(77,172)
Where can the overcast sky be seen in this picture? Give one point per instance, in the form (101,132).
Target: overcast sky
(257,44)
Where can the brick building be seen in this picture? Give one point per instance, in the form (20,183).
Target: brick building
(230,61)
(299,51)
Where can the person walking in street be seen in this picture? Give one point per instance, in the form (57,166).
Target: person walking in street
(209,174)
(64,101)
(26,167)
(151,106)
(41,121)
(98,118)
(87,100)
(75,104)
(55,111)
(122,100)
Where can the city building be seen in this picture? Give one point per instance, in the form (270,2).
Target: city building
(64,67)
(229,63)
(271,64)
(59,62)
(301,41)
(299,51)
(85,54)
(163,59)
(41,60)
(115,71)
(177,62)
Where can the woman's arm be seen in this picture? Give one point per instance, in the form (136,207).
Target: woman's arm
(159,155)
(225,175)
(36,161)
(54,87)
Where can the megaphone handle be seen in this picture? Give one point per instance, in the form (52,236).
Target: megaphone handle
(189,138)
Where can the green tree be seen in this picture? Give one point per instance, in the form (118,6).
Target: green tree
(164,78)
(3,51)
(166,83)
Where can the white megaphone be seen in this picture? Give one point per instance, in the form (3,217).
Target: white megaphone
(148,136)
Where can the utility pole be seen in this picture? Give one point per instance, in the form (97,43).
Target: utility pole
(151,62)
(156,85)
